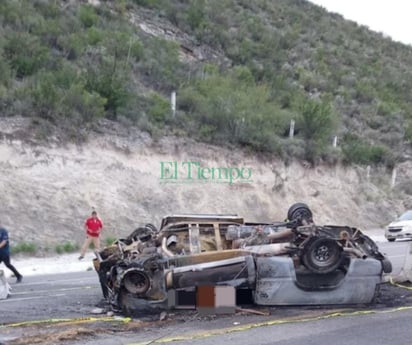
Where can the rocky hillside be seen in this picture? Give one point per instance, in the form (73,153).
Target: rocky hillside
(48,190)
(242,71)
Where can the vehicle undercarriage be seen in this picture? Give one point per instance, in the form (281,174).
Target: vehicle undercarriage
(294,262)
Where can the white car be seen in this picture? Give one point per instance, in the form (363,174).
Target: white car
(400,228)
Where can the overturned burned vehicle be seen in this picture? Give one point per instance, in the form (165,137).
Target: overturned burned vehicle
(294,262)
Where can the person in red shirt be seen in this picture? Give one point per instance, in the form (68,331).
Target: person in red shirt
(93,226)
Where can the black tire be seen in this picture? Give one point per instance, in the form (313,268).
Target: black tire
(386,265)
(391,239)
(322,255)
(151,227)
(299,212)
(136,234)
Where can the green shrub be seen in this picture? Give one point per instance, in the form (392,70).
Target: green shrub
(24,247)
(136,50)
(365,92)
(88,105)
(315,123)
(73,45)
(47,9)
(244,75)
(25,53)
(109,240)
(386,108)
(67,247)
(159,108)
(17,14)
(242,52)
(293,148)
(210,21)
(44,95)
(110,82)
(94,36)
(206,132)
(62,95)
(355,150)
(121,6)
(133,110)
(48,31)
(162,64)
(88,16)
(233,109)
(117,43)
(196,14)
(123,46)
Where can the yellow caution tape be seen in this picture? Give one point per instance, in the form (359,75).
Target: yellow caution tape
(68,321)
(399,285)
(210,333)
(223,331)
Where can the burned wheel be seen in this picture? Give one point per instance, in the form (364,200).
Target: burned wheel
(136,281)
(151,227)
(299,212)
(322,255)
(143,234)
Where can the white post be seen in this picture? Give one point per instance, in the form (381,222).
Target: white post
(368,172)
(292,128)
(173,103)
(128,51)
(335,141)
(393,180)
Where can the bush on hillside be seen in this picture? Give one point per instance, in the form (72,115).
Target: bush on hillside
(315,124)
(233,109)
(355,150)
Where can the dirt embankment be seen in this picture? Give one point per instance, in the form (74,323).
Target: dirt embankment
(48,190)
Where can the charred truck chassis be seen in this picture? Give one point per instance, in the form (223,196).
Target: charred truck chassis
(286,263)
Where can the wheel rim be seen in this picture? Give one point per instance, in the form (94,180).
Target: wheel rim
(323,255)
(136,281)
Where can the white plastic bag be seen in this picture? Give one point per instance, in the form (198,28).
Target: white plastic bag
(4,286)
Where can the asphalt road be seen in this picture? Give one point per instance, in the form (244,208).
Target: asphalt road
(64,295)
(386,328)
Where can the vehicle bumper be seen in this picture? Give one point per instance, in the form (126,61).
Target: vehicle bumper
(400,235)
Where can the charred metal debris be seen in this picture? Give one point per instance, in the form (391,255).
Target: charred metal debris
(294,262)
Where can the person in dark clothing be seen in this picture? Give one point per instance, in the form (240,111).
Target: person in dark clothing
(5,253)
